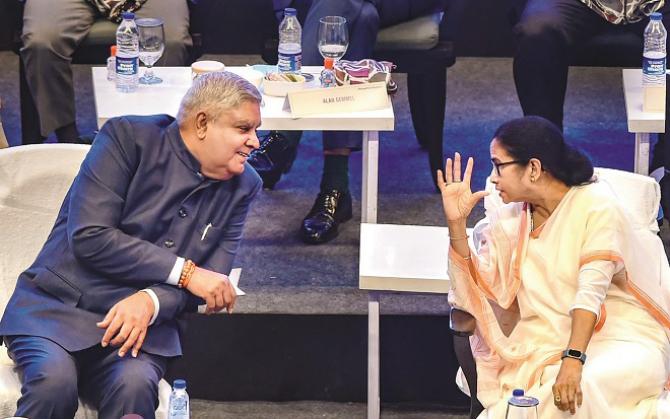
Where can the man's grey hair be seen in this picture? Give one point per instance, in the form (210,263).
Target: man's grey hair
(216,92)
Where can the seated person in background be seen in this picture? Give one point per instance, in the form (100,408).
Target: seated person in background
(586,288)
(548,32)
(364,18)
(153,219)
(52,31)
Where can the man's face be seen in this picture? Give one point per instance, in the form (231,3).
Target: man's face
(228,141)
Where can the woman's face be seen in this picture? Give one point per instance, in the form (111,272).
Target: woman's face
(508,175)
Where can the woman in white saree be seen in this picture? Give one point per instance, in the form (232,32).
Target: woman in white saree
(587,296)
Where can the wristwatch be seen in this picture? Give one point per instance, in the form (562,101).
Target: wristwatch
(574,353)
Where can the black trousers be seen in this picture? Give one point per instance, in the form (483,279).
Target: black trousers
(547,33)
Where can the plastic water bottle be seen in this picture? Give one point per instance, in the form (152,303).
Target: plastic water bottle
(127,54)
(290,48)
(520,406)
(328,74)
(179,407)
(653,65)
(111,64)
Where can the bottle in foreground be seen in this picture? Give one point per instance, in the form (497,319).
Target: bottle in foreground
(328,74)
(290,47)
(179,407)
(521,406)
(127,54)
(111,64)
(654,65)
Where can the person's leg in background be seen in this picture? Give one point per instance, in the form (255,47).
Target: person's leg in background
(175,17)
(546,33)
(52,30)
(333,203)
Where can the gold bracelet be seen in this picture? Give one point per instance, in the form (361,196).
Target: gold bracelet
(459,238)
(468,257)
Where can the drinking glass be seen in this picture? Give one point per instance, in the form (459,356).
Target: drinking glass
(333,37)
(152,45)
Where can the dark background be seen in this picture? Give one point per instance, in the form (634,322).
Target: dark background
(484,31)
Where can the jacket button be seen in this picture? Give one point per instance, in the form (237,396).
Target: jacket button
(169,243)
(182,213)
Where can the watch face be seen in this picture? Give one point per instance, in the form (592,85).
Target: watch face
(574,353)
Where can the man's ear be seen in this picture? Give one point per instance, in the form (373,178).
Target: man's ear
(201,121)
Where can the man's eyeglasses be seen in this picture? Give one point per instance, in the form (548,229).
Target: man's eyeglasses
(497,165)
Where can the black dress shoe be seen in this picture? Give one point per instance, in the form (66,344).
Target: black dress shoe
(274,157)
(329,210)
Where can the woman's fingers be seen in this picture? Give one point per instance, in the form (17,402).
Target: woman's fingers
(457,167)
(468,171)
(449,169)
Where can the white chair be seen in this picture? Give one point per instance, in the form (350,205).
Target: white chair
(33,182)
(3,138)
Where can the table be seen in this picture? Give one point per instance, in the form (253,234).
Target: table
(406,258)
(165,98)
(642,124)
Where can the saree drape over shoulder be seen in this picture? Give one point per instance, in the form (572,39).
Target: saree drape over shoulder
(538,277)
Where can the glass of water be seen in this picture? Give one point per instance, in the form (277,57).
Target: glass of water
(333,37)
(152,45)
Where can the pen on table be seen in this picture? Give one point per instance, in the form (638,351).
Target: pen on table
(204,233)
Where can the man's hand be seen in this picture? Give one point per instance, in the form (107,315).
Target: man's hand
(127,323)
(214,288)
(567,389)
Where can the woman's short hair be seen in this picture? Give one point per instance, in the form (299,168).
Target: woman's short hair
(215,93)
(535,137)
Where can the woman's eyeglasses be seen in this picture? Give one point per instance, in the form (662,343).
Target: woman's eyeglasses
(497,165)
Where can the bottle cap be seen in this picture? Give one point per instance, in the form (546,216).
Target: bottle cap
(328,63)
(290,11)
(179,384)
(128,15)
(112,51)
(518,392)
(656,16)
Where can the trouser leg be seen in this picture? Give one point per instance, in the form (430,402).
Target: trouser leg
(48,378)
(52,30)
(546,33)
(175,17)
(118,386)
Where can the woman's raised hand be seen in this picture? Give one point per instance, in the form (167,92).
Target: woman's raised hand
(457,198)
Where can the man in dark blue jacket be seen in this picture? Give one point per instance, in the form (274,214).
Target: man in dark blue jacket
(152,221)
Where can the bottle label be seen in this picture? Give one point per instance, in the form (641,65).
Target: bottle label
(126,66)
(653,66)
(289,62)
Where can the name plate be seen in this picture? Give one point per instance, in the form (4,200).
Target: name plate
(341,99)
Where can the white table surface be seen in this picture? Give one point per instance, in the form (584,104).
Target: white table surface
(404,258)
(641,123)
(165,98)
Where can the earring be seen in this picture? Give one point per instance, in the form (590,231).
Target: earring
(532,178)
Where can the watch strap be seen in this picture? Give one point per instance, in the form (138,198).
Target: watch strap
(575,354)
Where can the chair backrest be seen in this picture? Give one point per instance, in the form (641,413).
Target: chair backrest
(639,195)
(3,137)
(33,182)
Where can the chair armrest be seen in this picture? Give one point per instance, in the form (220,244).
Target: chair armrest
(461,322)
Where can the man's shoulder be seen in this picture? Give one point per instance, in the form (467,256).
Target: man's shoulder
(142,121)
(250,180)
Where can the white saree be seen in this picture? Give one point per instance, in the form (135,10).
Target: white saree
(537,278)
